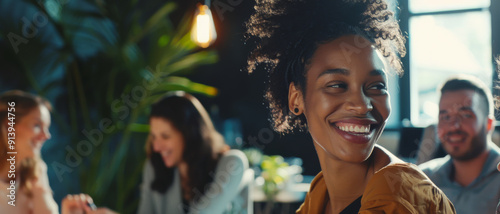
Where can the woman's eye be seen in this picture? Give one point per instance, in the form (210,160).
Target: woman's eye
(381,88)
(37,128)
(164,136)
(338,85)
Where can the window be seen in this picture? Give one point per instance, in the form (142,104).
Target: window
(423,6)
(446,37)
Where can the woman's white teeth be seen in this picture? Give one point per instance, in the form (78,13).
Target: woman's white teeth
(356,128)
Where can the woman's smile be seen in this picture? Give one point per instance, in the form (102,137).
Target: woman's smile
(346,101)
(358,131)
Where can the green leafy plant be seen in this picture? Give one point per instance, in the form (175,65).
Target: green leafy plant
(274,174)
(112,61)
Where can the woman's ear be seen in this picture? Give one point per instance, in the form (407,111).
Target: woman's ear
(295,100)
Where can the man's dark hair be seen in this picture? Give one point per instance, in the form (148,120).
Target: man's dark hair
(466,82)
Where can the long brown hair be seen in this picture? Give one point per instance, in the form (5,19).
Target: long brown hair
(203,144)
(24,104)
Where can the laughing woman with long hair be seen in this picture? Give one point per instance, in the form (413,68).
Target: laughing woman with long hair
(189,167)
(25,171)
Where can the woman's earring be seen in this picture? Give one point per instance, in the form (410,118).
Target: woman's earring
(296,110)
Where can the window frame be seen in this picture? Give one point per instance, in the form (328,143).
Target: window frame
(405,82)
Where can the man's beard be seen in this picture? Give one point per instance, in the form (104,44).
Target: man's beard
(477,146)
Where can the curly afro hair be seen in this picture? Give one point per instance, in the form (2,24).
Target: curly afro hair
(286,34)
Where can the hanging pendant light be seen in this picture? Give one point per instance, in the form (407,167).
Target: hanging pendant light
(203,30)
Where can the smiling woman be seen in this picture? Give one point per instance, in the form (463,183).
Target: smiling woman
(343,95)
(327,63)
(24,128)
(190,169)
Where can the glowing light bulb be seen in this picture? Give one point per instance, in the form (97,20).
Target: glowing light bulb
(203,31)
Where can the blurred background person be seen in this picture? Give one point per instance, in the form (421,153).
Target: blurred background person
(468,174)
(31,123)
(189,167)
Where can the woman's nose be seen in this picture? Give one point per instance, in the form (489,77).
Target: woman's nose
(359,103)
(44,135)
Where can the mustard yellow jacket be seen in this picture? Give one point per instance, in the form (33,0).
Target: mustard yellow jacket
(397,188)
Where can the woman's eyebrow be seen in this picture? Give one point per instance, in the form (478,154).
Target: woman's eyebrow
(377,72)
(342,71)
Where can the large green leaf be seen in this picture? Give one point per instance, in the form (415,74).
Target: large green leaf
(189,61)
(152,22)
(184,84)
